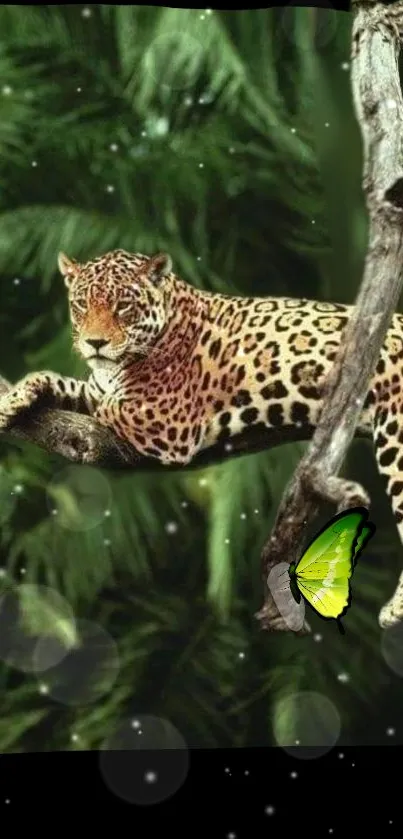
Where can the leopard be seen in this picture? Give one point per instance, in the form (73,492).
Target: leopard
(176,370)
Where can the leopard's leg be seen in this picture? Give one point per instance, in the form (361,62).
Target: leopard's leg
(388,439)
(45,389)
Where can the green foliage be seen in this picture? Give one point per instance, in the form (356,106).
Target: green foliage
(222,139)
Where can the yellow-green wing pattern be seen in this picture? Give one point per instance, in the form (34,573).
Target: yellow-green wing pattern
(340,534)
(323,573)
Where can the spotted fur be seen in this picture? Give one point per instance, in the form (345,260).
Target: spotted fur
(176,370)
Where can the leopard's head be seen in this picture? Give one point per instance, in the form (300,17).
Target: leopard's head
(118,305)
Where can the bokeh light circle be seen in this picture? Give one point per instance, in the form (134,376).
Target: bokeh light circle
(87,672)
(32,615)
(145,760)
(306,724)
(79,497)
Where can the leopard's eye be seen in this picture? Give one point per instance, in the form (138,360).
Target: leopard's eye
(123,308)
(77,307)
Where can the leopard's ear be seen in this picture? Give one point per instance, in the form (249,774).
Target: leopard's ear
(69,268)
(160,266)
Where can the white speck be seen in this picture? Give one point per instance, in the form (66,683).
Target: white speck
(107,542)
(330,830)
(79,89)
(391,104)
(144,133)
(203,482)
(358,401)
(209,11)
(317,637)
(34,163)
(184,504)
(110,188)
(231,150)
(198,258)
(114,147)
(294,775)
(136,724)
(327,124)
(345,65)
(43,689)
(7,800)
(343,677)
(243,516)
(201,165)
(150,777)
(188,101)
(227,770)
(227,541)
(18,488)
(3,572)
(23,570)
(6,90)
(16,281)
(228,447)
(313,221)
(256,512)
(340,755)
(390,821)
(246,772)
(107,513)
(86,12)
(231,836)
(54,512)
(270,811)
(390,732)
(293,131)
(202,17)
(75,738)
(297,742)
(241,655)
(171,527)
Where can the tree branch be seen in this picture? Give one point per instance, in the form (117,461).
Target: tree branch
(377,32)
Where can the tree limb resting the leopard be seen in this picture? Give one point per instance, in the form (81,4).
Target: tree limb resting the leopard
(376,43)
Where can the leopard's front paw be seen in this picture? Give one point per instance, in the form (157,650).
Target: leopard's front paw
(13,404)
(5,417)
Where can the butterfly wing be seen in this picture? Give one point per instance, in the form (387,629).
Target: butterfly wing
(346,527)
(324,571)
(292,611)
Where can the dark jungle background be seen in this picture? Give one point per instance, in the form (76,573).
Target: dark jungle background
(229,140)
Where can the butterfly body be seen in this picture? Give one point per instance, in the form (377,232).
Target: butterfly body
(322,575)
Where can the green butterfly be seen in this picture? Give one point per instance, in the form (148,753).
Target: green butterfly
(322,575)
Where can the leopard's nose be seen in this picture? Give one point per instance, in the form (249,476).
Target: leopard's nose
(97,343)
